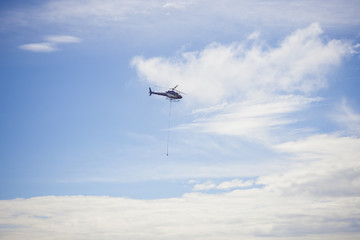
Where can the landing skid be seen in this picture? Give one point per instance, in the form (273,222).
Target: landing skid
(173,100)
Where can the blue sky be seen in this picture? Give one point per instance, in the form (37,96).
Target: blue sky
(265,143)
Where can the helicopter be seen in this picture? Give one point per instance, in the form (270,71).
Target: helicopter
(172,94)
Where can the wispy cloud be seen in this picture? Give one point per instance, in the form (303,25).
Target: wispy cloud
(45,47)
(348,118)
(253,119)
(178,4)
(51,45)
(62,39)
(226,185)
(93,13)
(275,13)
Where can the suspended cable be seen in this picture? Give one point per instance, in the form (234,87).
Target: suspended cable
(168,133)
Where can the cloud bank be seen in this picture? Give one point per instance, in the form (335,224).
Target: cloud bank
(317,198)
(51,43)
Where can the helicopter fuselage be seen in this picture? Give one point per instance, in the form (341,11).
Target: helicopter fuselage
(170,94)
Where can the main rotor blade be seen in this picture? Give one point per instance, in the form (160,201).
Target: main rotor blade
(180,92)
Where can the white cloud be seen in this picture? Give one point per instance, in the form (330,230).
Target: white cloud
(177,5)
(51,44)
(235,183)
(245,214)
(44,47)
(263,84)
(204,186)
(62,39)
(227,185)
(300,63)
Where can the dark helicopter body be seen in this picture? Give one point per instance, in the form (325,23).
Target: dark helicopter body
(171,94)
